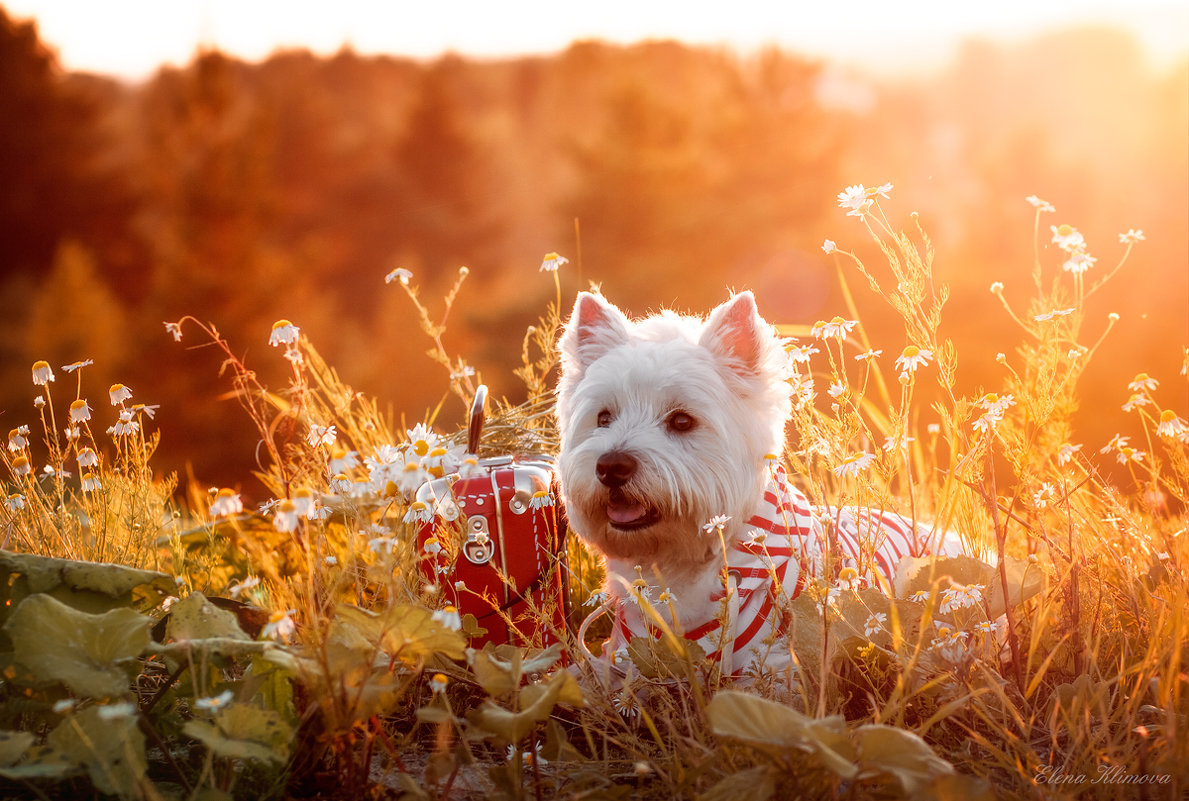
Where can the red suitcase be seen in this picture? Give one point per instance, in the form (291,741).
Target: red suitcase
(496,545)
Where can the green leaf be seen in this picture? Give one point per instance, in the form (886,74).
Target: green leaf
(244,731)
(108,744)
(1024,580)
(41,762)
(84,651)
(13,745)
(496,676)
(539,699)
(775,728)
(753,784)
(89,586)
(906,756)
(196,618)
(406,632)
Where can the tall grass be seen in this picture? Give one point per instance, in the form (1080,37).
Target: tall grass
(1053,666)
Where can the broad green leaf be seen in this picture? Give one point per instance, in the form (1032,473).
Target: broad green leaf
(806,634)
(108,744)
(775,727)
(196,618)
(13,745)
(406,632)
(511,726)
(86,652)
(88,586)
(888,749)
(496,676)
(561,686)
(753,784)
(244,731)
(41,762)
(1024,580)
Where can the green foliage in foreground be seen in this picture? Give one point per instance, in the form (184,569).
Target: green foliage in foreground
(151,651)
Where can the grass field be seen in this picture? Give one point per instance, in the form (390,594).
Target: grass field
(293,650)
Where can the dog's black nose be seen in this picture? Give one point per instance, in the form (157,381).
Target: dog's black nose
(614,468)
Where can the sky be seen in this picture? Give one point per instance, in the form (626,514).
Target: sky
(131,38)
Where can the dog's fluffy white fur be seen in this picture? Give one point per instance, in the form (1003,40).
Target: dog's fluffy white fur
(665,424)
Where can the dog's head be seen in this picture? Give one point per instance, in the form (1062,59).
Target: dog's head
(665,423)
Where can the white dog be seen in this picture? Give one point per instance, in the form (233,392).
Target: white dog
(669,430)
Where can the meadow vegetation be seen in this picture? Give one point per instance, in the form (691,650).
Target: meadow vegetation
(293,650)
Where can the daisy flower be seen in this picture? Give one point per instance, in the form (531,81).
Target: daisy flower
(1042,205)
(1131,236)
(437,684)
(1172,426)
(448,616)
(419,512)
(70,368)
(283,333)
(854,464)
(287,517)
(90,482)
(849,579)
(227,502)
(215,702)
(897,443)
(828,246)
(87,458)
(1143,382)
(80,412)
(596,599)
(21,466)
(875,623)
(42,374)
(801,353)
(911,358)
(625,704)
(868,355)
(854,198)
(422,439)
(716,522)
(280,625)
(960,597)
(174,330)
(837,328)
(1135,401)
(125,425)
(18,438)
(1078,263)
(15,502)
(399,274)
(321,435)
(1068,238)
(552,262)
(118,393)
(1066,452)
(1040,318)
(540,499)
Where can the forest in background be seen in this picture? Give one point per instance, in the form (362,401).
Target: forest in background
(244,193)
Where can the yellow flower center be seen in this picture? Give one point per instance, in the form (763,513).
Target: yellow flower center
(1064,230)
(912,351)
(1167,416)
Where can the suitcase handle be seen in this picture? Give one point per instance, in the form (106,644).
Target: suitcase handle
(478,412)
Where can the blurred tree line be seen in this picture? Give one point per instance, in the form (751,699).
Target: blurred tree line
(243,193)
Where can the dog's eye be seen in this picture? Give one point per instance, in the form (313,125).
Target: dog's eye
(605,418)
(681,422)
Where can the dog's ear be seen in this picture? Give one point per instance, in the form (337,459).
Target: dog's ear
(595,327)
(736,334)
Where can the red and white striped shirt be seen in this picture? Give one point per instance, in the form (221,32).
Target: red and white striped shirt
(783,552)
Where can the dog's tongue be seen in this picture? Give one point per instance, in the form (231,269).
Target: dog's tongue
(625,512)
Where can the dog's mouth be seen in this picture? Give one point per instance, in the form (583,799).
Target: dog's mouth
(628,514)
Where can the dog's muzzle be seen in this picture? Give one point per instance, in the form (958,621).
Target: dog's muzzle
(615,469)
